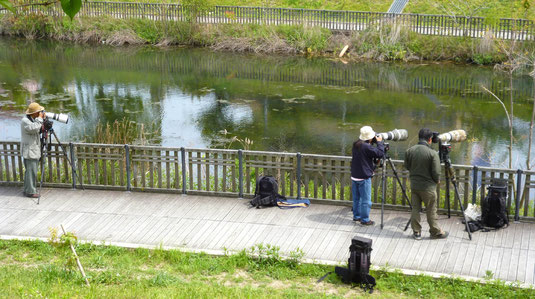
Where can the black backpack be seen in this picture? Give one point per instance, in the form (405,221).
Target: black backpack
(266,192)
(358,264)
(494,205)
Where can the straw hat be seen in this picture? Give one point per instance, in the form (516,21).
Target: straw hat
(366,133)
(34,108)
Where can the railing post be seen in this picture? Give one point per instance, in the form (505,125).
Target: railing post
(127,157)
(474,185)
(240,171)
(299,176)
(518,194)
(73,165)
(183,158)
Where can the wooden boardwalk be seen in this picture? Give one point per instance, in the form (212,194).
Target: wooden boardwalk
(323,232)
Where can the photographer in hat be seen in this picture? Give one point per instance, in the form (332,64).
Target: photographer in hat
(31,125)
(362,167)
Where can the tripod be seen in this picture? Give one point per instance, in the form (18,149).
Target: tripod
(444,152)
(46,140)
(386,157)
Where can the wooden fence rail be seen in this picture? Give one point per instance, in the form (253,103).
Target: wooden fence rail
(235,173)
(334,20)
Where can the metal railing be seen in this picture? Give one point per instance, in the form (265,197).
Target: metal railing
(334,20)
(235,172)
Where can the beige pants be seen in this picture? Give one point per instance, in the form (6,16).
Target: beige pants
(429,198)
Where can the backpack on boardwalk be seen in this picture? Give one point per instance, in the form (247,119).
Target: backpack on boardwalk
(266,192)
(494,205)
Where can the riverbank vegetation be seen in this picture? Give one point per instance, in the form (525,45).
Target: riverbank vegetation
(385,44)
(482,8)
(45,269)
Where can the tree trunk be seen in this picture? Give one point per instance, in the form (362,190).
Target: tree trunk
(511,121)
(528,161)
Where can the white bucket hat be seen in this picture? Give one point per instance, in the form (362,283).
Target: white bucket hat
(366,133)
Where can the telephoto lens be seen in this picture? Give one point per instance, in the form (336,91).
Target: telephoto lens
(453,136)
(62,118)
(395,135)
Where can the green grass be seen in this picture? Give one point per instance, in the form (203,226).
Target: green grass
(35,268)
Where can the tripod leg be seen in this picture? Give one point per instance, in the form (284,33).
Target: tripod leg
(383,186)
(68,160)
(454,182)
(43,159)
(448,192)
(402,189)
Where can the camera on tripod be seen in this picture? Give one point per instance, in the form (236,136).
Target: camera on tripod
(48,123)
(394,135)
(61,117)
(444,140)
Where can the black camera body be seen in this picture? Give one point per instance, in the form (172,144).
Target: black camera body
(435,138)
(47,125)
(444,150)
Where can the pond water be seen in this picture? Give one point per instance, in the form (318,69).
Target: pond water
(200,98)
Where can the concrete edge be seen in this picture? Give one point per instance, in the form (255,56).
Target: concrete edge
(308,261)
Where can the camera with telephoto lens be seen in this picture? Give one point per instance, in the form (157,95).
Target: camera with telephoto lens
(444,139)
(394,135)
(451,136)
(48,123)
(61,117)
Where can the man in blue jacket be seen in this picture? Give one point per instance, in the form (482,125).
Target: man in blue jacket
(362,167)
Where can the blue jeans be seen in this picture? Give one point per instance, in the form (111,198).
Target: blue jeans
(362,199)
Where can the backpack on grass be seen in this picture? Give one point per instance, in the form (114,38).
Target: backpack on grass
(358,264)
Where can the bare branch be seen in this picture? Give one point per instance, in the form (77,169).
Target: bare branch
(503,105)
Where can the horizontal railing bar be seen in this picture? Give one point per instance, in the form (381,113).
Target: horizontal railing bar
(77,144)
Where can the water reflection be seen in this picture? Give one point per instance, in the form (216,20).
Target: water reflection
(192,97)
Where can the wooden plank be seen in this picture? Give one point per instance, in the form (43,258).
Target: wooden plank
(154,229)
(471,259)
(226,230)
(200,233)
(522,266)
(175,226)
(191,225)
(530,267)
(134,227)
(24,221)
(93,232)
(213,231)
(502,271)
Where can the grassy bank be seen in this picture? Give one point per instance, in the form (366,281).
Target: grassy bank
(35,268)
(388,44)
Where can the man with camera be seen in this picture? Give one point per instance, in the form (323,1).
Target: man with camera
(423,164)
(362,167)
(31,126)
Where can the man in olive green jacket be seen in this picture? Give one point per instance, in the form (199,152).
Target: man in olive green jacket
(423,164)
(31,125)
